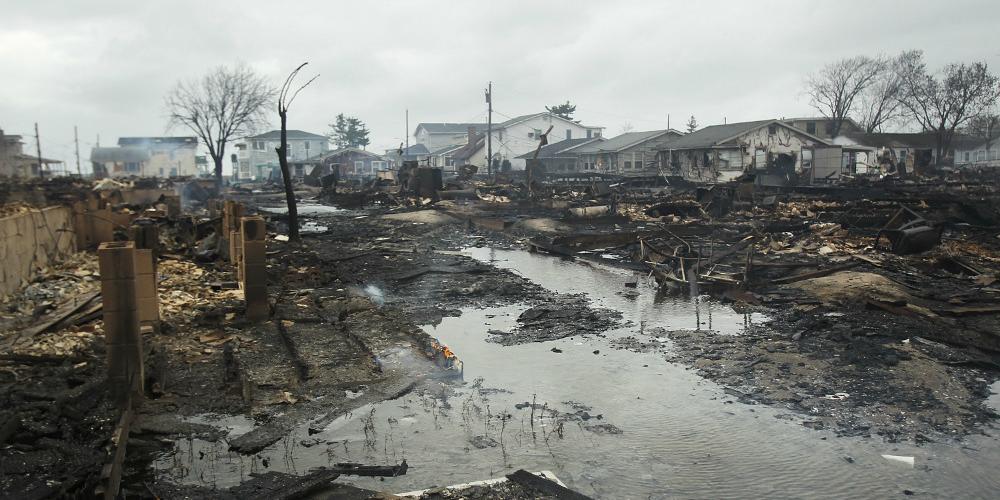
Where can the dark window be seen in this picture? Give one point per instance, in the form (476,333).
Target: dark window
(828,127)
(772,129)
(628,164)
(589,134)
(811,127)
(569,134)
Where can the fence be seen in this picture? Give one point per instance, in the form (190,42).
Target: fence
(31,241)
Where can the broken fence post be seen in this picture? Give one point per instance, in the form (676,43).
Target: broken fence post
(121,320)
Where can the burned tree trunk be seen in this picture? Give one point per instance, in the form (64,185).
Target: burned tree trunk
(284,102)
(286,176)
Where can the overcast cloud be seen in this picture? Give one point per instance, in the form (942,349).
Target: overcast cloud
(106,65)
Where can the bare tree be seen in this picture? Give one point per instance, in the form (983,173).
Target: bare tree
(984,126)
(225,104)
(944,102)
(880,103)
(627,127)
(285,99)
(834,89)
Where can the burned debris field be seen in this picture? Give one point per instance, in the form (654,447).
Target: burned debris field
(414,339)
(443,250)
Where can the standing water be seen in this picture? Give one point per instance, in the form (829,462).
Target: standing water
(610,423)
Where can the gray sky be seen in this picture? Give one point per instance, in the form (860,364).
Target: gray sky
(106,65)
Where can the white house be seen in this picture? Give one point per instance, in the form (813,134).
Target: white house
(435,136)
(521,135)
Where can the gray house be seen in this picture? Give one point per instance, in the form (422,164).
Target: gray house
(257,156)
(627,153)
(561,156)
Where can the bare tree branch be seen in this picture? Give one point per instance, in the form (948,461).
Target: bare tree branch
(834,89)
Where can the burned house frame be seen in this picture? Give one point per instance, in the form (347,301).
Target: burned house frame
(719,153)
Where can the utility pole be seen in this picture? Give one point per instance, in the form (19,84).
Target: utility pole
(407,134)
(38,148)
(489,130)
(76,141)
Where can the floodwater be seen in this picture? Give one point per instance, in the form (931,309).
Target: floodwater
(662,431)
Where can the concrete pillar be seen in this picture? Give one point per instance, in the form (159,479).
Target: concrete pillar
(232,212)
(173,203)
(253,269)
(146,235)
(121,320)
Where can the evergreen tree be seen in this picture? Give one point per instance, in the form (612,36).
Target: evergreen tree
(564,110)
(349,132)
(692,124)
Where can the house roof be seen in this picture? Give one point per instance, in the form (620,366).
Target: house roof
(922,140)
(450,128)
(556,148)
(717,135)
(467,150)
(123,154)
(446,149)
(135,141)
(625,141)
(518,119)
(291,134)
(337,152)
(415,150)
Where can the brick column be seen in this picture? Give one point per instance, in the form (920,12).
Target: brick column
(121,320)
(253,270)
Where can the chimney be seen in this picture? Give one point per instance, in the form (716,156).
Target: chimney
(472,134)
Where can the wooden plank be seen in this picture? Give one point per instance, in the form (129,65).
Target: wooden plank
(815,274)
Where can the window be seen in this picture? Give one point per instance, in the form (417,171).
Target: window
(258,145)
(828,127)
(173,172)
(359,166)
(535,133)
(966,156)
(449,161)
(993,154)
(298,171)
(590,133)
(628,165)
(306,145)
(134,167)
(811,127)
(772,129)
(161,171)
(981,155)
(378,165)
(569,134)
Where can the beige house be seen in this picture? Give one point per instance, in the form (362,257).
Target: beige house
(15,163)
(147,157)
